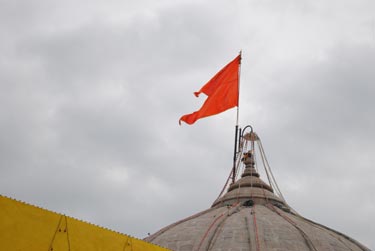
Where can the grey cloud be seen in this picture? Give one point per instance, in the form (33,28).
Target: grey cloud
(91,101)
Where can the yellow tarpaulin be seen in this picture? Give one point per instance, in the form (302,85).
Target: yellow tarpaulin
(25,227)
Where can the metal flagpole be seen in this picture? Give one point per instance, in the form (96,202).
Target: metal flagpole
(237,119)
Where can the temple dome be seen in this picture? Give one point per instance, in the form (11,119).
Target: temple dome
(250,216)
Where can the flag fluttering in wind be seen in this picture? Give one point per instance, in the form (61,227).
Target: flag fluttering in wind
(222,91)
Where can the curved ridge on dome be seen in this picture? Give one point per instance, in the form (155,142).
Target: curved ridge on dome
(248,188)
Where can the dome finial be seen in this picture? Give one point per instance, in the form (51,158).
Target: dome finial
(248,159)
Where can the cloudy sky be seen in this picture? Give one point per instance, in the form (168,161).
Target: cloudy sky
(91,93)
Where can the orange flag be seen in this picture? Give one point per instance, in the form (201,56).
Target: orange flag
(222,92)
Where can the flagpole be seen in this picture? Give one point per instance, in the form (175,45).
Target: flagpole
(237,119)
(239,79)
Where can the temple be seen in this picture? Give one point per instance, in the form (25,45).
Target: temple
(251,215)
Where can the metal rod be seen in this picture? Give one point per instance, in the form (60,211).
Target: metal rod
(243,131)
(239,139)
(235,155)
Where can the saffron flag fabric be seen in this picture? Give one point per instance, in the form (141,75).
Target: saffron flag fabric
(222,91)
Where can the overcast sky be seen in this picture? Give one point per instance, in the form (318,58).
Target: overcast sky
(91,93)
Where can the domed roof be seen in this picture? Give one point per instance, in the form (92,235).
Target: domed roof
(250,216)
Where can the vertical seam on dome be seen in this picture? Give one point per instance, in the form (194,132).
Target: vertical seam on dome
(255,228)
(165,229)
(215,234)
(207,231)
(248,231)
(212,239)
(308,241)
(214,226)
(329,231)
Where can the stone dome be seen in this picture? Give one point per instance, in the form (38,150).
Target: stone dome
(250,216)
